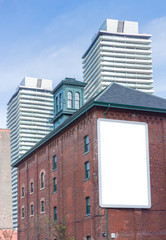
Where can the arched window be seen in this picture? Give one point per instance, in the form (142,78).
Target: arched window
(55,214)
(31,209)
(32,187)
(56,104)
(54,185)
(88,238)
(22,192)
(22,212)
(77,100)
(42,180)
(60,101)
(42,206)
(69,99)
(54,163)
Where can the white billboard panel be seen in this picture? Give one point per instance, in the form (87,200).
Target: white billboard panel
(123,163)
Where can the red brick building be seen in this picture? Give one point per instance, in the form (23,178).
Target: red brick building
(59,176)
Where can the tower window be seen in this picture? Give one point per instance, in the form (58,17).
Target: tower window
(56,104)
(60,101)
(77,100)
(69,99)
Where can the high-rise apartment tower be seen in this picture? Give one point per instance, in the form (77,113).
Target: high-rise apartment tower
(29,112)
(118,53)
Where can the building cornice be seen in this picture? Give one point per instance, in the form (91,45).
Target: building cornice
(92,103)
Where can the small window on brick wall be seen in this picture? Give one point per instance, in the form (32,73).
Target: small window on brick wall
(87,170)
(88,238)
(31,187)
(54,163)
(42,206)
(22,192)
(88,211)
(22,212)
(55,214)
(32,210)
(42,180)
(54,185)
(86,144)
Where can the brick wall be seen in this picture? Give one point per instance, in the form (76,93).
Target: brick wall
(72,188)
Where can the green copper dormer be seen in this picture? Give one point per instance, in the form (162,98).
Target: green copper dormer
(68,98)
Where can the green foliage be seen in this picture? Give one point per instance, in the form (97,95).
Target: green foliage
(59,231)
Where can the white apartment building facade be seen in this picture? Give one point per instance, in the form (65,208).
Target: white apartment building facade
(118,53)
(29,112)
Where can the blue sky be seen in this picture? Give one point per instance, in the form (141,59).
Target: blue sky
(47,38)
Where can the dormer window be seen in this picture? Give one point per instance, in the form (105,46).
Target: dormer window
(60,101)
(69,99)
(56,104)
(77,100)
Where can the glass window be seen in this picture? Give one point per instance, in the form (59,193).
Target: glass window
(42,206)
(55,214)
(22,212)
(87,170)
(56,104)
(86,143)
(77,100)
(54,163)
(22,192)
(54,185)
(88,238)
(60,101)
(31,210)
(42,180)
(87,199)
(31,187)
(69,99)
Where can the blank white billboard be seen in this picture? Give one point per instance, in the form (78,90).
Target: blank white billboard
(123,164)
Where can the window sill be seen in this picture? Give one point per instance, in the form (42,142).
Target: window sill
(87,215)
(86,179)
(41,188)
(85,153)
(54,169)
(54,192)
(42,212)
(31,193)
(22,196)
(31,215)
